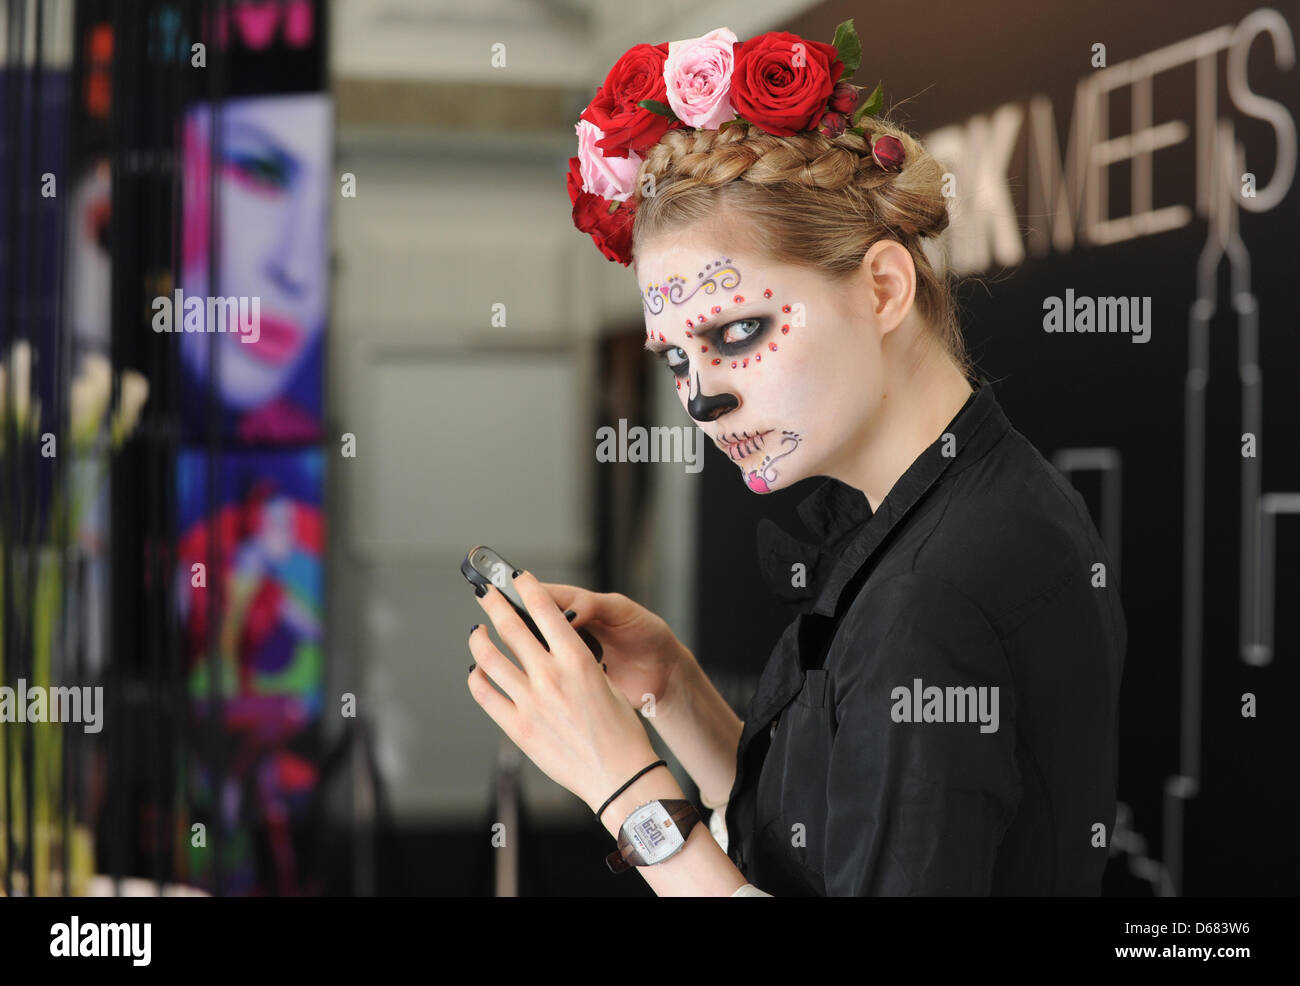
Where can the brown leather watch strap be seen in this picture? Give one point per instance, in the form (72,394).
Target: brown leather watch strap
(681,813)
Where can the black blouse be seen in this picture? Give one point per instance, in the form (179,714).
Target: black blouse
(941,716)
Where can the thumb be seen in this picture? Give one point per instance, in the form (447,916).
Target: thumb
(573,597)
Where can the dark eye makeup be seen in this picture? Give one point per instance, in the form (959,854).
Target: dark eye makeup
(732,339)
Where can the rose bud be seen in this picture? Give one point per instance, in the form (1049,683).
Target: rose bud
(844,97)
(832,125)
(887,152)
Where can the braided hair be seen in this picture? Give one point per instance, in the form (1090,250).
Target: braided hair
(809,200)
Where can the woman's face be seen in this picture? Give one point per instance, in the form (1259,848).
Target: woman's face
(272,240)
(780,366)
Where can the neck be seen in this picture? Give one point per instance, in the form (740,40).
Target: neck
(916,405)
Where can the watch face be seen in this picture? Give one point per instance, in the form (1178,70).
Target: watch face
(653,833)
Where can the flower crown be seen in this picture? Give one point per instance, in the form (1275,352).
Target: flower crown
(777,82)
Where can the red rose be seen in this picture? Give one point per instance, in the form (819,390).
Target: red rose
(638,75)
(782,83)
(612,232)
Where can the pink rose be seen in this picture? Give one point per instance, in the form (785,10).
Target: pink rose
(609,177)
(698,76)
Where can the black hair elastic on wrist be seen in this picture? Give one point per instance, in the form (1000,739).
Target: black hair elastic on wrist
(643,770)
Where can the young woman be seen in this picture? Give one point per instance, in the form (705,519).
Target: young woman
(940,718)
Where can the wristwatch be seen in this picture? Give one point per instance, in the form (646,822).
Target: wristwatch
(652,833)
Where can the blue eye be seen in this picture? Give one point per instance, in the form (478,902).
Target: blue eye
(676,360)
(742,331)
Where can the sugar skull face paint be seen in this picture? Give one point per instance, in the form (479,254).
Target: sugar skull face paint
(761,480)
(780,412)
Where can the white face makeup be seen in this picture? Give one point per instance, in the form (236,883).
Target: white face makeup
(778,365)
(274,236)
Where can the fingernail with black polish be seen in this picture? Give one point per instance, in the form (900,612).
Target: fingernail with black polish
(471,670)
(473,628)
(569,614)
(480,591)
(516,573)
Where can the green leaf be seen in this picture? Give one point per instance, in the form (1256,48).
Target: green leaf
(739,121)
(856,130)
(872,106)
(654,106)
(849,47)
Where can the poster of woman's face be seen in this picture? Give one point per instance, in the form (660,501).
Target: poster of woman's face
(270,166)
(258,545)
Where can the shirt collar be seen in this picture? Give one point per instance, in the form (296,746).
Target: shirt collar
(847,533)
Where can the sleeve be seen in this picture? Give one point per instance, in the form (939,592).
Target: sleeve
(718,828)
(923,779)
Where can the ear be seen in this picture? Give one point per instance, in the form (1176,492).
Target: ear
(889,278)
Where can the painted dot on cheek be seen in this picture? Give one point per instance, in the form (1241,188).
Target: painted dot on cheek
(689,334)
(767,292)
(772,346)
(733,364)
(758,358)
(690,324)
(679,385)
(745,364)
(786,309)
(661,337)
(739,299)
(716,309)
(716,362)
(700,318)
(703,348)
(785,330)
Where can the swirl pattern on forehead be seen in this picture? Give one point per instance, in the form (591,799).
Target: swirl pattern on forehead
(714,276)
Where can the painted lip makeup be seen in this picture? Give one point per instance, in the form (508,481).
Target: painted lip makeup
(279,340)
(740,444)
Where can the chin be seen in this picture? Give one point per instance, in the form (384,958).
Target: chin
(769,473)
(756,482)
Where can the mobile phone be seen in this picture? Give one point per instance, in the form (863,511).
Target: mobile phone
(483,567)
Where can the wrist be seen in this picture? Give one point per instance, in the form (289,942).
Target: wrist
(618,773)
(657,785)
(683,684)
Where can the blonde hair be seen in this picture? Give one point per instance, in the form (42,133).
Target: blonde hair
(810,200)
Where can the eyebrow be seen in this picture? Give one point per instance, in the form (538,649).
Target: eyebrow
(721,320)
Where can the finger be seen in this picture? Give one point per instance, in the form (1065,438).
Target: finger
(559,633)
(497,706)
(610,608)
(499,668)
(512,630)
(574,599)
(565,596)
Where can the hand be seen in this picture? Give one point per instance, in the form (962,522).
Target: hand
(559,707)
(641,652)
